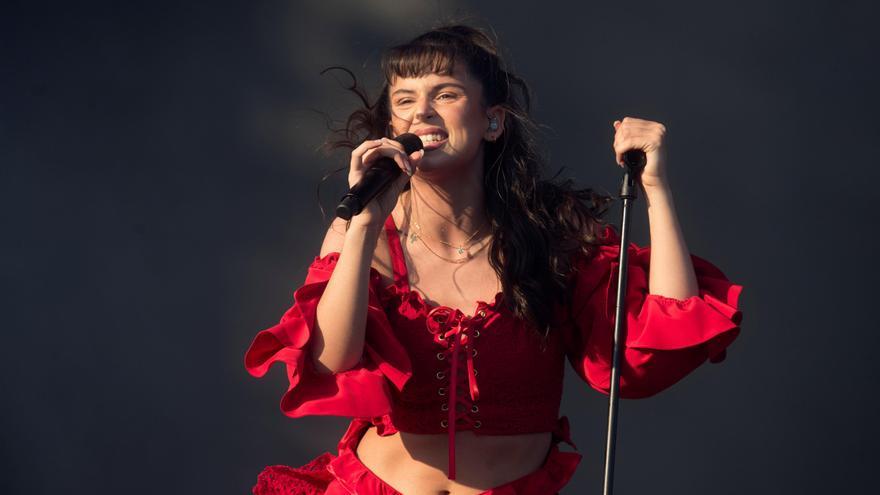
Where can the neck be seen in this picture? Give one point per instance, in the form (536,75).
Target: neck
(450,209)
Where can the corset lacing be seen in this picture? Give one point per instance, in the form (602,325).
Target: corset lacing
(453,330)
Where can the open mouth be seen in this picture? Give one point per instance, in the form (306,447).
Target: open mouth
(433,141)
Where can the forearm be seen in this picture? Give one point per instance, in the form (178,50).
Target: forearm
(342,311)
(671,270)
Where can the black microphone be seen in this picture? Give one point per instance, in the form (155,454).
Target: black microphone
(635,160)
(382,173)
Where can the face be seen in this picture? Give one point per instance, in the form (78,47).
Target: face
(447,112)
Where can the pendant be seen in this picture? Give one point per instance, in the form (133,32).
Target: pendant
(413,237)
(460,250)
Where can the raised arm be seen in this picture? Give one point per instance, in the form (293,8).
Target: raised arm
(341,355)
(342,311)
(671,271)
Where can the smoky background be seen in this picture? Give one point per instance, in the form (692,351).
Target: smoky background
(159,166)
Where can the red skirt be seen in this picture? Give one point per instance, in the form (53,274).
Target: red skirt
(344,474)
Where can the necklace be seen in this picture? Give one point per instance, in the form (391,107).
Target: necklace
(460,247)
(418,234)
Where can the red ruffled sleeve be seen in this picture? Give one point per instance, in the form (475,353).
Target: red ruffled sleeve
(363,391)
(666,338)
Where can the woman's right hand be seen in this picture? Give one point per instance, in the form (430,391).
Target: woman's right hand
(363,157)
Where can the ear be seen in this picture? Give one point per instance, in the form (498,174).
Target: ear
(497,113)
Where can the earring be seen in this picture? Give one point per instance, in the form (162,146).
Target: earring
(493,126)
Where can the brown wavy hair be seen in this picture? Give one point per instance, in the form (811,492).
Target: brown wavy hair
(537,225)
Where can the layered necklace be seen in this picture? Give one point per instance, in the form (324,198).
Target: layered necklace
(418,235)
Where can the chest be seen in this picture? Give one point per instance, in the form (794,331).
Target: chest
(409,263)
(489,357)
(456,286)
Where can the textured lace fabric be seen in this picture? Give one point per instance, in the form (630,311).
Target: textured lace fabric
(434,369)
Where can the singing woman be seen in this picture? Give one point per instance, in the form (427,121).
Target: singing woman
(440,318)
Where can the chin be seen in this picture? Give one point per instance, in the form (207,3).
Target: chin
(442,159)
(438,160)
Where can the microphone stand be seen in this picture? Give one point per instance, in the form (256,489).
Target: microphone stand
(634,161)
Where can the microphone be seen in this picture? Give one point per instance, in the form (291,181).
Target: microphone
(635,160)
(376,178)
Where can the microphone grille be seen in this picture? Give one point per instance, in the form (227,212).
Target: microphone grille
(410,142)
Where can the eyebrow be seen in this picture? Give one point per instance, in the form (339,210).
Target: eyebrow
(435,88)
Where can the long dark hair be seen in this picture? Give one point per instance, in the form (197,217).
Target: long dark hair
(537,225)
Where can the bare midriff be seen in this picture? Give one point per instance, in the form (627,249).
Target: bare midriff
(417,464)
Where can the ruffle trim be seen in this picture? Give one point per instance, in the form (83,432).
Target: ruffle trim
(698,319)
(666,338)
(363,391)
(407,302)
(410,304)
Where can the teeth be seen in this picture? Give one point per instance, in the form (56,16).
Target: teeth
(430,138)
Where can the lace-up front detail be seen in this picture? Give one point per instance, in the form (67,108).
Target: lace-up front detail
(456,334)
(453,337)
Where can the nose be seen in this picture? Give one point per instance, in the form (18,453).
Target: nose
(424,109)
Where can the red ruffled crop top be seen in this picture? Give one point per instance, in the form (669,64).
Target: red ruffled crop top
(428,369)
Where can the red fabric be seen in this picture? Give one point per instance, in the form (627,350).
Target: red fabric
(311,479)
(363,391)
(666,338)
(344,473)
(505,379)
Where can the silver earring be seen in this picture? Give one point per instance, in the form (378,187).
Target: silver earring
(493,124)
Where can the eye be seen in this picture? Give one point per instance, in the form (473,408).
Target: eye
(404,101)
(446,96)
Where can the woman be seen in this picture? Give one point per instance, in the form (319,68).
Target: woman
(453,396)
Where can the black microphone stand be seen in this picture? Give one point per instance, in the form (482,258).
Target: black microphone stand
(634,161)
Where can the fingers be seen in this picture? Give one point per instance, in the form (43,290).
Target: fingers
(365,146)
(364,157)
(416,156)
(358,154)
(632,133)
(385,148)
(369,151)
(413,157)
(393,143)
(632,121)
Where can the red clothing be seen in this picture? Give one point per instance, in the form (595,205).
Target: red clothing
(505,380)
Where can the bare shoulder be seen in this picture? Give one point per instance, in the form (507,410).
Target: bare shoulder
(335,238)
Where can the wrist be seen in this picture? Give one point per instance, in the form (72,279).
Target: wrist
(657,187)
(363,231)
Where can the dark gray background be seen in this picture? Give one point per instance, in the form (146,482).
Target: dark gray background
(158,202)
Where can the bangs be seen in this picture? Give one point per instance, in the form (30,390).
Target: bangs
(417,60)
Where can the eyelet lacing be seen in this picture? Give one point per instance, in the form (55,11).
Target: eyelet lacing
(453,331)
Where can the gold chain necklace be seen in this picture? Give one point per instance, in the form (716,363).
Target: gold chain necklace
(460,247)
(414,236)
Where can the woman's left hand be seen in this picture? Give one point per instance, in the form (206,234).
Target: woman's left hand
(646,135)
